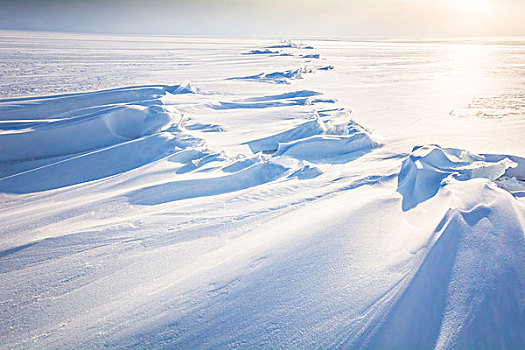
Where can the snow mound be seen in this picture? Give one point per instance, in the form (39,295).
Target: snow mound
(314,55)
(61,137)
(270,144)
(74,123)
(284,54)
(261,52)
(425,170)
(254,175)
(291,44)
(90,166)
(283,96)
(284,77)
(512,185)
(69,139)
(54,106)
(466,293)
(204,127)
(322,148)
(295,98)
(317,140)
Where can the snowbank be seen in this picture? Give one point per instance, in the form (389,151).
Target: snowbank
(54,106)
(466,292)
(282,77)
(80,134)
(426,169)
(90,166)
(254,175)
(317,140)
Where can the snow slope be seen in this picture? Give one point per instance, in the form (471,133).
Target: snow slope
(297,194)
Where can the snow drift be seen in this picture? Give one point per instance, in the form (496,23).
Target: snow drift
(92,131)
(54,106)
(284,77)
(426,169)
(316,140)
(466,292)
(70,139)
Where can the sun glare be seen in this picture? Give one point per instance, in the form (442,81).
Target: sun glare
(472,8)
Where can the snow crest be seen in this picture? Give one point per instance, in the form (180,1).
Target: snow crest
(426,169)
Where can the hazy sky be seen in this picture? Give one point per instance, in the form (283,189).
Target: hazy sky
(428,18)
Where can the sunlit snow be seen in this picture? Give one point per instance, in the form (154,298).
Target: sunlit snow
(193,192)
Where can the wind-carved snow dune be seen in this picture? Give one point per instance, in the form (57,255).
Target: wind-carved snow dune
(318,141)
(466,292)
(261,52)
(284,77)
(291,44)
(86,143)
(427,168)
(75,123)
(254,175)
(35,108)
(296,98)
(78,134)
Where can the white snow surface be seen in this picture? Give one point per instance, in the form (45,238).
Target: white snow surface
(296,194)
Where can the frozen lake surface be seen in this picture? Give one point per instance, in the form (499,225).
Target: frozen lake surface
(194,192)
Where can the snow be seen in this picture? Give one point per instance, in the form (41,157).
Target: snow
(332,201)
(465,274)
(428,168)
